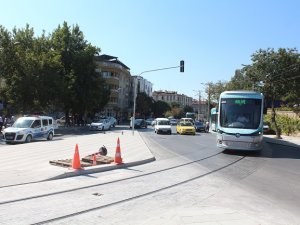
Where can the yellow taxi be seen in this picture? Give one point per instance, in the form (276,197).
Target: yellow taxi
(185,127)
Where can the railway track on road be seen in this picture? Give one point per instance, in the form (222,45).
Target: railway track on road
(39,198)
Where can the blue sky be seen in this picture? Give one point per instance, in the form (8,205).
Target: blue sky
(213,37)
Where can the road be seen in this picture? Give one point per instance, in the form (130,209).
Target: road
(191,182)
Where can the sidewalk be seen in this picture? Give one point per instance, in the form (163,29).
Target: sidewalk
(285,140)
(27,163)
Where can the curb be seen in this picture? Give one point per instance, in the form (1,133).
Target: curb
(281,142)
(98,169)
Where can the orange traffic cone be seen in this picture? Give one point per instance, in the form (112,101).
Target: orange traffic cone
(76,159)
(94,160)
(118,158)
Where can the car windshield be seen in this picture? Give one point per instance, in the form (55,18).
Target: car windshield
(198,124)
(163,122)
(186,124)
(23,123)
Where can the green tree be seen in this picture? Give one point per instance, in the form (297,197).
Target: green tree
(188,108)
(240,81)
(81,88)
(160,108)
(278,71)
(27,69)
(213,90)
(144,104)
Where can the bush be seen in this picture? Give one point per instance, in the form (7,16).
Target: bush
(286,125)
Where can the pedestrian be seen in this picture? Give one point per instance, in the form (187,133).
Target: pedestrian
(207,127)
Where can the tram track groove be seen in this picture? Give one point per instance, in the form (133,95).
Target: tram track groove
(101,184)
(138,196)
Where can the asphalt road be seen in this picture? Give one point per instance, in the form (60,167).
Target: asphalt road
(191,182)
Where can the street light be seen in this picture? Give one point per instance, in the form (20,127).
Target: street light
(134,103)
(208,99)
(199,102)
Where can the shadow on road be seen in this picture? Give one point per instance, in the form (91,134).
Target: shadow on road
(270,150)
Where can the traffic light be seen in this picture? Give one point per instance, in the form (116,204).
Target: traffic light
(181,66)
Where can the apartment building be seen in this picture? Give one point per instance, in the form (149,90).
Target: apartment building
(118,77)
(172,96)
(121,83)
(143,85)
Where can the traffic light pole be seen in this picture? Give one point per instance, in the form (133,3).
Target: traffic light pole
(135,87)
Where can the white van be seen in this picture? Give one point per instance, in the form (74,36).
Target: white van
(26,129)
(162,125)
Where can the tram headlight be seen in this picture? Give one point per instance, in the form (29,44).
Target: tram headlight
(220,131)
(258,133)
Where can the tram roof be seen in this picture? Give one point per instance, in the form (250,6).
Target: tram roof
(242,94)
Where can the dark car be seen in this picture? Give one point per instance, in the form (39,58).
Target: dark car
(139,123)
(199,126)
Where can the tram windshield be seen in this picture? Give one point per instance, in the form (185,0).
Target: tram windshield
(240,113)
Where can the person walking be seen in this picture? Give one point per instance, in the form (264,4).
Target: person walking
(207,127)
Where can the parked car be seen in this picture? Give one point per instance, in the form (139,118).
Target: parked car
(149,121)
(153,122)
(266,128)
(113,121)
(139,123)
(162,125)
(173,121)
(187,120)
(29,128)
(100,124)
(185,128)
(200,126)
(62,121)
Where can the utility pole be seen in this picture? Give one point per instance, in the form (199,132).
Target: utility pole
(199,105)
(208,102)
(199,102)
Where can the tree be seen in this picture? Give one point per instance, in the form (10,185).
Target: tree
(27,69)
(188,108)
(160,108)
(240,81)
(55,71)
(278,71)
(144,104)
(81,88)
(215,89)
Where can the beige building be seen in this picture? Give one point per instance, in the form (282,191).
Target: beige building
(121,83)
(118,77)
(201,108)
(172,96)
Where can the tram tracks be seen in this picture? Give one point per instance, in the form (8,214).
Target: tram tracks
(119,181)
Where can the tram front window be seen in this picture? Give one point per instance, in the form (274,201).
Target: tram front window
(240,113)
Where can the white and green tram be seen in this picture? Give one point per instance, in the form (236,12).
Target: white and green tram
(240,120)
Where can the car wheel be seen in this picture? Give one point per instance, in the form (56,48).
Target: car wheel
(28,138)
(170,132)
(50,136)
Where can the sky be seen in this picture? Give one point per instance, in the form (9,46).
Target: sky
(213,37)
